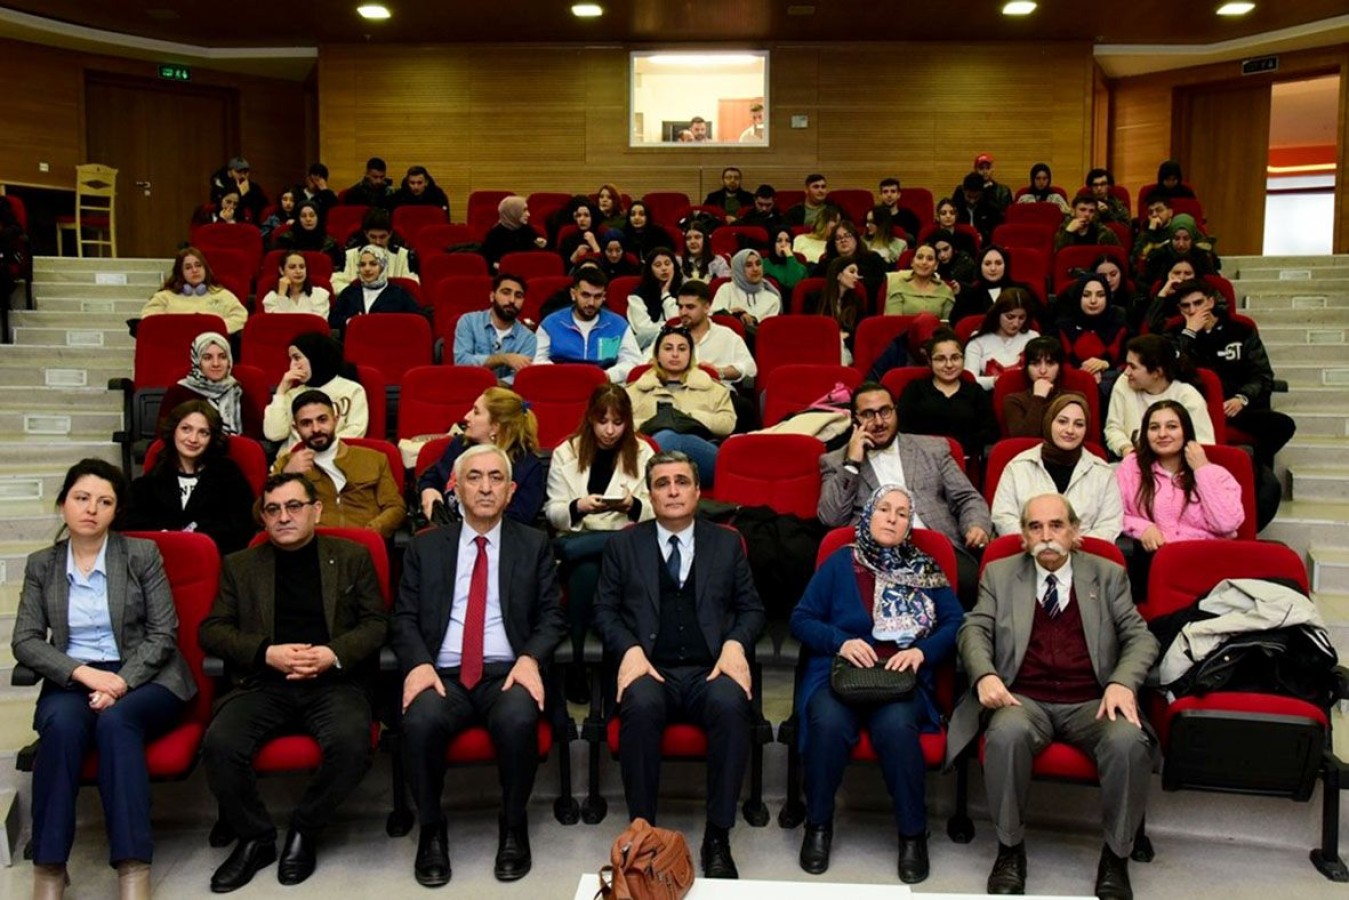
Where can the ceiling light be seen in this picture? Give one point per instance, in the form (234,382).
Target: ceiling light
(587,10)
(373,11)
(1018,8)
(1235,9)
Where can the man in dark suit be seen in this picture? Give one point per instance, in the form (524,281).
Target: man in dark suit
(676,606)
(1056,650)
(295,620)
(477,619)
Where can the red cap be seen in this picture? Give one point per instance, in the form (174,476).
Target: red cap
(983,158)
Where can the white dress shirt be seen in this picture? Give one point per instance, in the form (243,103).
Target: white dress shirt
(495,646)
(1064,577)
(685,537)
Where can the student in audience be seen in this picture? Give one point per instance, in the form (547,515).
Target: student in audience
(1082,228)
(283,217)
(1060,465)
(1187,243)
(812,244)
(679,405)
(495,338)
(880,601)
(307,234)
(880,237)
(974,207)
(716,345)
(316,363)
(373,293)
(194,485)
(1162,306)
(298,619)
(840,300)
(748,295)
(846,243)
(781,263)
(878,453)
(315,188)
(994,268)
(1152,372)
(1094,333)
(587,332)
(355,484)
(191,288)
(999,195)
(502,418)
(765,213)
(1109,208)
(902,216)
(643,235)
(236,178)
(209,379)
(1153,231)
(918,289)
(699,262)
(595,488)
(225,210)
(582,244)
(96,622)
(1123,293)
(376,229)
(294,291)
(1001,340)
(946,404)
(1039,190)
(954,266)
(1024,411)
(608,208)
(808,211)
(1211,338)
(512,233)
(616,261)
(419,189)
(1171,181)
(653,302)
(732,197)
(373,189)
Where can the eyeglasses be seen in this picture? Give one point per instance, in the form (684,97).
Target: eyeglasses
(870,415)
(292,507)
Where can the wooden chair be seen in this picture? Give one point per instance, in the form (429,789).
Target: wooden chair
(95,210)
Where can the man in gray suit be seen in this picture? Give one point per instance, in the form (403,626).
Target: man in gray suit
(876,454)
(1056,650)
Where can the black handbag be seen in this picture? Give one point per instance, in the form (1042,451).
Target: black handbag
(856,686)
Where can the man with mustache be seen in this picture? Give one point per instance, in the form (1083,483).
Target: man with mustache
(1056,651)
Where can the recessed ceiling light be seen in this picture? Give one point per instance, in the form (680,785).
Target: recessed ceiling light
(1235,9)
(373,11)
(1018,8)
(587,10)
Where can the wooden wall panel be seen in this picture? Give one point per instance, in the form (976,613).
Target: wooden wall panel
(555,118)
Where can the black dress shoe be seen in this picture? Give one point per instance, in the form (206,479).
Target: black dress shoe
(913,865)
(238,869)
(1112,877)
(299,855)
(513,857)
(815,846)
(1009,870)
(432,867)
(716,855)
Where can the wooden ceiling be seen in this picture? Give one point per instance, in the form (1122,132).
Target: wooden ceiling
(260,23)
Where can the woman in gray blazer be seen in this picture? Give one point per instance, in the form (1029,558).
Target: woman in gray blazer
(96,621)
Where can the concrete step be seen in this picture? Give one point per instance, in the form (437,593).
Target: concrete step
(65,265)
(1302,524)
(151,278)
(77,319)
(31,526)
(1262,295)
(1274,334)
(1307,398)
(59,336)
(92,399)
(1312,374)
(40,451)
(16,720)
(1279,353)
(61,422)
(1334,609)
(1312,450)
(1292,274)
(1322,484)
(120,309)
(42,290)
(28,483)
(1330,572)
(1315,317)
(1322,423)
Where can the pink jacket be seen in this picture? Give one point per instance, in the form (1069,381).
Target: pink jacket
(1216,513)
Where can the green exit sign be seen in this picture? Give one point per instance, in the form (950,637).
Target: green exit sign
(175,73)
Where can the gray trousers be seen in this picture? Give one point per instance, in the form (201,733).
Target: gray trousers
(1122,750)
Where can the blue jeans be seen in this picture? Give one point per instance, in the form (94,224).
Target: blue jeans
(703,452)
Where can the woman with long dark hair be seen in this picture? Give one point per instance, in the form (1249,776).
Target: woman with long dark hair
(192,288)
(656,299)
(1002,337)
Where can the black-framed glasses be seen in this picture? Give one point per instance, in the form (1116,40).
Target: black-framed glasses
(293,507)
(870,415)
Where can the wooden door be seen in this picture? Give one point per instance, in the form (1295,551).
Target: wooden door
(1222,135)
(733,117)
(165,141)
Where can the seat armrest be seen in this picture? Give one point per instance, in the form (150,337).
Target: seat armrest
(22,676)
(213,667)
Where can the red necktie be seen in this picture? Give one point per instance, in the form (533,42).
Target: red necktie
(470,657)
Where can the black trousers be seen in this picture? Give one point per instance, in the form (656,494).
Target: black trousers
(335,713)
(431,721)
(967,575)
(720,707)
(1270,429)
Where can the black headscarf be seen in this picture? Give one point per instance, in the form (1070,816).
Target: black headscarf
(325,358)
(1042,196)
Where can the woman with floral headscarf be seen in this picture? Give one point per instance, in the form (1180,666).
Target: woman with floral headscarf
(373,293)
(880,601)
(210,379)
(512,233)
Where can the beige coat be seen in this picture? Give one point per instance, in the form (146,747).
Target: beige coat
(219,302)
(566,482)
(1092,490)
(701,397)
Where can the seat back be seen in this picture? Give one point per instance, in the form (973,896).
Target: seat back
(667,207)
(1076,258)
(1224,287)
(409,221)
(795,339)
(267,338)
(1238,461)
(342,221)
(241,236)
(453,296)
(247,454)
(390,342)
(1211,386)
(1011,545)
(781,471)
(1192,207)
(1034,214)
(1013,381)
(233,270)
(786,199)
(855,203)
(540,289)
(1026,234)
(558,395)
(794,387)
(376,399)
(164,346)
(482,208)
(874,334)
(390,453)
(434,240)
(1183,571)
(919,201)
(437,267)
(435,397)
(543,206)
(730,239)
(532,263)
(1030,266)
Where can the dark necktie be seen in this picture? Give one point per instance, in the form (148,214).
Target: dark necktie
(1051,598)
(674,562)
(470,657)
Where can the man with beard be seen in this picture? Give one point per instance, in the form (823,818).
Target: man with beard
(588,333)
(877,454)
(494,337)
(1056,650)
(355,484)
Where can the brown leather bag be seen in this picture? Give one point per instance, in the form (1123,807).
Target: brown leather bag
(647,863)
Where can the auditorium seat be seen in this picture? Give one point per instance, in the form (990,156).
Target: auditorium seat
(781,471)
(558,395)
(247,454)
(1073,261)
(267,338)
(435,397)
(408,221)
(667,207)
(1034,214)
(795,339)
(731,239)
(436,268)
(919,201)
(855,203)
(874,335)
(240,236)
(342,221)
(435,240)
(1014,381)
(1036,237)
(233,270)
(795,386)
(532,264)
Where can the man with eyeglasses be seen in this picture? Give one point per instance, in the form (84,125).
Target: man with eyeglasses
(1109,208)
(877,454)
(478,616)
(296,620)
(356,484)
